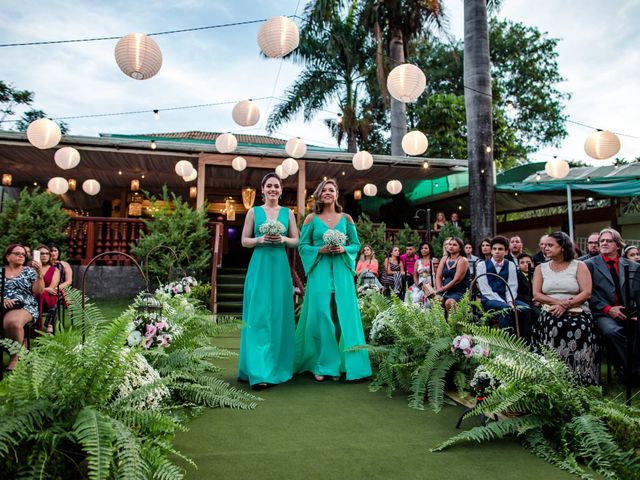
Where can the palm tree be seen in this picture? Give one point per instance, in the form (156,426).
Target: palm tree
(335,59)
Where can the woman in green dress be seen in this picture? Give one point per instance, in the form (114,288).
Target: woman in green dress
(266,340)
(330,325)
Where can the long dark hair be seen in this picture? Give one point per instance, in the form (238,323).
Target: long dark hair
(430,249)
(317,196)
(566,245)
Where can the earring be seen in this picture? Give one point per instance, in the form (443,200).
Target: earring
(280,198)
(262,197)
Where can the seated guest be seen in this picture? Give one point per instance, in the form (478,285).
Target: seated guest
(516,247)
(609,297)
(22,283)
(593,249)
(631,253)
(562,286)
(440,222)
(66,274)
(452,280)
(468,252)
(525,264)
(393,272)
(367,262)
(455,220)
(48,299)
(409,259)
(494,294)
(484,250)
(424,274)
(539,257)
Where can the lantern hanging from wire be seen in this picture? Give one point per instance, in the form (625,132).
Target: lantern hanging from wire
(415,143)
(602,145)
(557,168)
(370,190)
(290,166)
(67,158)
(191,177)
(406,83)
(239,164)
(226,143)
(278,37)
(248,197)
(295,148)
(138,56)
(184,168)
(44,133)
(58,185)
(280,172)
(246,113)
(91,186)
(362,160)
(394,187)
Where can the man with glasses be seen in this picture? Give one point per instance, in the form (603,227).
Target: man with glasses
(593,249)
(608,298)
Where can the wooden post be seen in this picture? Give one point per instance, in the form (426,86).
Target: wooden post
(201,182)
(302,180)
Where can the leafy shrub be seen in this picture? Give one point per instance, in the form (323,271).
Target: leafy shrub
(374,235)
(449,230)
(202,293)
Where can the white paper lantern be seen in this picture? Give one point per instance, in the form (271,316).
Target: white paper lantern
(370,190)
(246,113)
(192,177)
(184,168)
(415,143)
(44,133)
(278,36)
(290,166)
(394,187)
(406,82)
(602,145)
(362,160)
(295,148)
(138,56)
(67,157)
(239,164)
(280,172)
(557,168)
(91,186)
(58,185)
(226,143)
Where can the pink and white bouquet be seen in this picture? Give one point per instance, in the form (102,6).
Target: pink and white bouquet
(150,330)
(181,287)
(272,227)
(334,238)
(463,345)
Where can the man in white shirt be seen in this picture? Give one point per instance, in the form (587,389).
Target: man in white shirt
(515,248)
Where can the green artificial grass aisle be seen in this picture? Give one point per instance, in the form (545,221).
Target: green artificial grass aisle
(308,430)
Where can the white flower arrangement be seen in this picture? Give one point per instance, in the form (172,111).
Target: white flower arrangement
(334,238)
(139,374)
(483,382)
(180,287)
(272,227)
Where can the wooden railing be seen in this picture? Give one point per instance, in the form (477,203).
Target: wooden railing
(91,236)
(217,231)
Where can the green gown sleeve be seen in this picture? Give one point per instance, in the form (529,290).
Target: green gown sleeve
(352,248)
(308,252)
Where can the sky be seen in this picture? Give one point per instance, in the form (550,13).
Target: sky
(598,56)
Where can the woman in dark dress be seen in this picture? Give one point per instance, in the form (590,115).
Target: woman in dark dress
(452,280)
(393,272)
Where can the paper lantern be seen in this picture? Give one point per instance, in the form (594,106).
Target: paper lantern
(415,143)
(138,56)
(184,168)
(239,164)
(295,148)
(394,187)
(58,185)
(557,168)
(278,36)
(281,173)
(602,145)
(135,185)
(226,143)
(246,113)
(370,190)
(91,187)
(406,83)
(192,177)
(67,158)
(290,166)
(43,133)
(362,160)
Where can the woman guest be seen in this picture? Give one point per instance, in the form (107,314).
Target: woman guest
(267,337)
(440,222)
(367,262)
(425,272)
(484,250)
(48,299)
(393,272)
(22,283)
(66,274)
(452,280)
(563,285)
(631,252)
(330,326)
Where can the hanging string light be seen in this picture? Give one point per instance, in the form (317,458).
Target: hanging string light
(278,37)
(91,186)
(246,113)
(370,190)
(58,185)
(67,158)
(138,56)
(602,145)
(295,148)
(239,164)
(406,83)
(362,160)
(226,143)
(44,133)
(156,114)
(394,187)
(415,143)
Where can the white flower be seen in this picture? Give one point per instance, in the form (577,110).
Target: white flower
(464,343)
(134,338)
(334,238)
(272,227)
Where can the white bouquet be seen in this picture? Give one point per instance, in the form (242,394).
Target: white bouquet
(272,227)
(334,238)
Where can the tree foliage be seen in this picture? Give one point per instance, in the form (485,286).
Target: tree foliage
(12,98)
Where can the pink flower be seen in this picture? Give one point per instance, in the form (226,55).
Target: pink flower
(468,352)
(151,330)
(148,342)
(164,340)
(161,325)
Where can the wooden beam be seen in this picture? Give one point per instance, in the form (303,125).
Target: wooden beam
(252,161)
(302,180)
(201,173)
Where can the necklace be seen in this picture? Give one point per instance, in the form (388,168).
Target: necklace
(558,266)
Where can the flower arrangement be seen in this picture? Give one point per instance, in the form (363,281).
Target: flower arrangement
(139,374)
(334,238)
(150,330)
(483,383)
(366,288)
(463,345)
(272,227)
(180,287)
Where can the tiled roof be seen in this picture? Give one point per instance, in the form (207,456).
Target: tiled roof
(211,136)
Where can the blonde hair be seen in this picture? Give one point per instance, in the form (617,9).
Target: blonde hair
(318,206)
(362,256)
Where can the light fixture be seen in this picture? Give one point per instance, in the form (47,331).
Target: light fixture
(280,172)
(290,166)
(436,185)
(339,119)
(394,187)
(192,177)
(58,185)
(343,172)
(142,176)
(538,177)
(278,36)
(193,192)
(153,145)
(44,133)
(415,143)
(135,205)
(362,160)
(488,149)
(67,158)
(602,145)
(510,105)
(588,179)
(135,185)
(226,143)
(35,184)
(156,114)
(239,164)
(459,207)
(246,113)
(230,208)
(72,184)
(248,197)
(91,186)
(7,178)
(557,168)
(119,172)
(184,168)
(515,194)
(295,148)
(406,83)
(370,190)
(357,194)
(425,165)
(138,56)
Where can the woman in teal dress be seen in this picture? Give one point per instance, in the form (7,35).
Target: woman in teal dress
(330,325)
(266,340)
